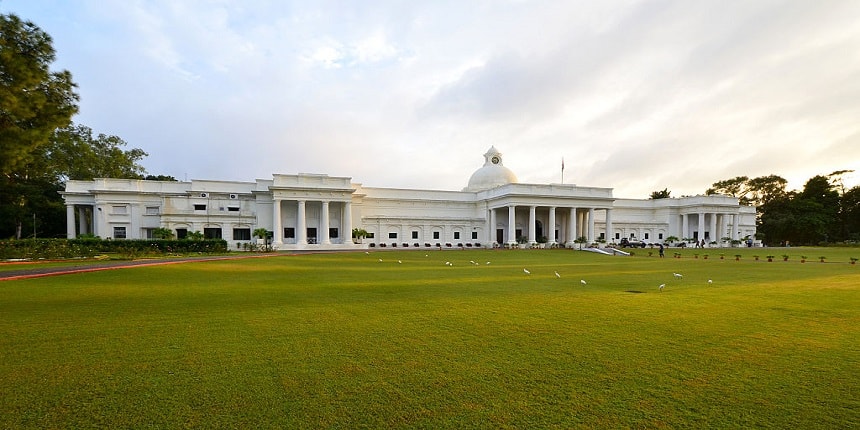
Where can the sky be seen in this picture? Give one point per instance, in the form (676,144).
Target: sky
(637,96)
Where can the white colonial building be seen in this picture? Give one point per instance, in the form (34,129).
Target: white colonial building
(307,211)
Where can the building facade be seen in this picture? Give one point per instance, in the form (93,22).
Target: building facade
(308,211)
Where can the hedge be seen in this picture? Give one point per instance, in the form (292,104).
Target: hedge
(70,248)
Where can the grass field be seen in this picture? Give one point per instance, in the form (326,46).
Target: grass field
(346,341)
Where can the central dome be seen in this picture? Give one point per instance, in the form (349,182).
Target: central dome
(492,174)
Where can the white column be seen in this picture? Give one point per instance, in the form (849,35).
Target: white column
(70,221)
(551,236)
(735,229)
(590,225)
(347,222)
(326,240)
(277,228)
(571,228)
(713,223)
(301,227)
(491,231)
(701,226)
(610,237)
(531,224)
(512,226)
(685,226)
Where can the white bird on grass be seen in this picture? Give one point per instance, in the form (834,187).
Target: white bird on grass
(488,262)
(527,271)
(582,281)
(447,263)
(380,260)
(366,252)
(399,262)
(661,287)
(677,275)
(471,261)
(557,275)
(710,281)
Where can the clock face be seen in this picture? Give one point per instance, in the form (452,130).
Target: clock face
(495,160)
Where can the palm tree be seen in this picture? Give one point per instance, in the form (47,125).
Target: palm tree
(262,233)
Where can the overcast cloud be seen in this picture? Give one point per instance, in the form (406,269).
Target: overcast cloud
(634,95)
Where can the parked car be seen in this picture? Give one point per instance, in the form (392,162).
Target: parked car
(631,243)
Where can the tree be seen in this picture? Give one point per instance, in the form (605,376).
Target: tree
(735,187)
(162,233)
(160,178)
(74,153)
(664,194)
(33,100)
(71,153)
(763,189)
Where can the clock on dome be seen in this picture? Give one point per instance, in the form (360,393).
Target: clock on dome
(495,159)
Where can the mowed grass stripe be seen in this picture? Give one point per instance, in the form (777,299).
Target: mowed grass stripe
(343,340)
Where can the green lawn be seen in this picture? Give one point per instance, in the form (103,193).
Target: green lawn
(346,341)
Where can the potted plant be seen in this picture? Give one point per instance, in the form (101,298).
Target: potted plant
(358,235)
(756,257)
(769,258)
(737,257)
(853,260)
(803,259)
(821,259)
(784,257)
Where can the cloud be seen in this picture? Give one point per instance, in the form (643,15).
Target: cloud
(674,94)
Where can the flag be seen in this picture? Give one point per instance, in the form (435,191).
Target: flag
(562,163)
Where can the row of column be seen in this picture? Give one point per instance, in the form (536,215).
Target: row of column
(716,219)
(301,222)
(573,227)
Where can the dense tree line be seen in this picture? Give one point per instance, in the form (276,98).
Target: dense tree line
(824,211)
(40,147)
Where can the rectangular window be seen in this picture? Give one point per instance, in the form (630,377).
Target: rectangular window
(370,235)
(392,235)
(474,235)
(200,207)
(646,235)
(232,209)
(456,235)
(181,233)
(660,235)
(312,235)
(152,210)
(415,235)
(618,235)
(603,236)
(119,232)
(119,210)
(289,233)
(333,233)
(436,235)
(241,234)
(212,233)
(147,233)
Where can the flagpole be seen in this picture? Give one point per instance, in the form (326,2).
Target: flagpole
(562,170)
